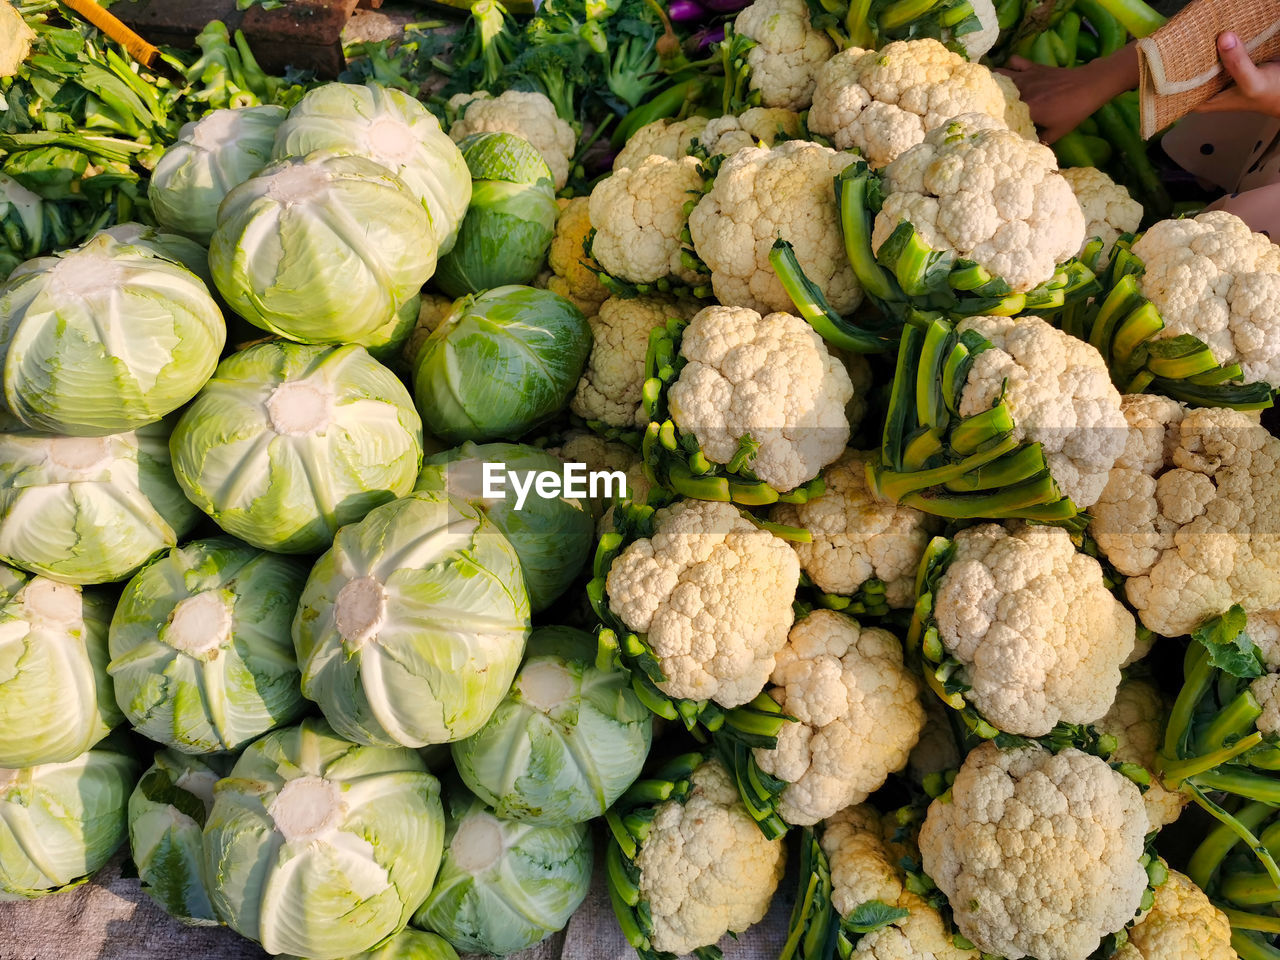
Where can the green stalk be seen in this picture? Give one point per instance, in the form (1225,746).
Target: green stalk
(931,410)
(1139,19)
(1236,719)
(855,224)
(1177,771)
(972,433)
(1237,396)
(1253,889)
(1245,920)
(1037,500)
(857,24)
(1121,301)
(1249,947)
(1243,783)
(1018,467)
(900,13)
(1198,673)
(1243,832)
(1221,840)
(812,305)
(895,486)
(1138,327)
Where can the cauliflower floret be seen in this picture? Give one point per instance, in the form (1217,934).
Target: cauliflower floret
(639,214)
(1017,115)
(572,276)
(788,52)
(610,388)
(433,308)
(600,454)
(857,536)
(1038,853)
(1190,514)
(713,592)
(751,128)
(770,378)
(1136,720)
(1060,394)
(857,714)
(705,867)
(1264,631)
(1040,635)
(761,195)
(1182,925)
(664,138)
(526,114)
(1216,279)
(977,43)
(979,190)
(883,102)
(1108,209)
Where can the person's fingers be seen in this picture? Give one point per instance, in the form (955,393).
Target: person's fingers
(1230,100)
(1055,132)
(1017,63)
(1239,64)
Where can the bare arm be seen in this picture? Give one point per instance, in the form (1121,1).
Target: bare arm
(1061,97)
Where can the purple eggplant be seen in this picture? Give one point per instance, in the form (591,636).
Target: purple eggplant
(686,11)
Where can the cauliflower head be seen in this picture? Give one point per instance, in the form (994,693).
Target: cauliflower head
(1181,925)
(1060,395)
(751,128)
(1136,719)
(1190,514)
(1216,279)
(857,711)
(977,189)
(611,384)
(769,377)
(526,114)
(639,214)
(1108,209)
(600,454)
(763,194)
(857,536)
(883,102)
(664,138)
(713,592)
(705,867)
(980,41)
(571,269)
(788,53)
(1030,617)
(1038,853)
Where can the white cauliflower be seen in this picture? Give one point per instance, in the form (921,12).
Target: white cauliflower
(857,714)
(771,378)
(713,592)
(705,867)
(979,190)
(784,62)
(600,454)
(1266,690)
(571,273)
(664,138)
(857,536)
(1108,209)
(1136,719)
(1040,635)
(751,128)
(610,388)
(639,213)
(1216,279)
(1191,514)
(977,43)
(883,102)
(1181,925)
(761,195)
(1039,854)
(1060,395)
(526,114)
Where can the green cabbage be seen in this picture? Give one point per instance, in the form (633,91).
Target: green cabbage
(318,847)
(200,649)
(553,536)
(88,509)
(288,442)
(393,129)
(512,218)
(504,885)
(168,246)
(565,743)
(321,249)
(500,363)
(221,150)
(105,338)
(408,945)
(387,344)
(411,627)
(55,695)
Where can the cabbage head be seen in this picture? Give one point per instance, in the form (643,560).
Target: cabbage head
(290,441)
(553,536)
(387,345)
(411,627)
(322,248)
(321,848)
(505,885)
(60,822)
(55,695)
(167,813)
(565,743)
(393,129)
(219,151)
(89,509)
(512,218)
(200,651)
(499,364)
(168,246)
(105,338)
(408,944)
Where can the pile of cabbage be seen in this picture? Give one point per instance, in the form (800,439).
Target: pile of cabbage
(260,618)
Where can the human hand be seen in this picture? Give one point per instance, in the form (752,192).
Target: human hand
(1257,86)
(1060,98)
